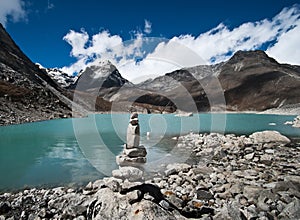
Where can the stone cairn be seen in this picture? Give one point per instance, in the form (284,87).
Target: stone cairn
(133,152)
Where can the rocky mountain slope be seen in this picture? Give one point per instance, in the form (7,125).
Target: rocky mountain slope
(253,81)
(27,93)
(249,81)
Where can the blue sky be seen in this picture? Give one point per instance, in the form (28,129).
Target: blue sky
(60,33)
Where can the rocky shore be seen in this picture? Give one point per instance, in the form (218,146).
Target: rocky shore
(235,177)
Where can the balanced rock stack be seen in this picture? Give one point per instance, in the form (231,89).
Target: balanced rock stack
(133,152)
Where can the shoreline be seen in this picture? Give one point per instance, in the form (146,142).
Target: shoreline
(252,176)
(267,112)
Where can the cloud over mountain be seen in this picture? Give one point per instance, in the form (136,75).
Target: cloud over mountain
(11,10)
(141,57)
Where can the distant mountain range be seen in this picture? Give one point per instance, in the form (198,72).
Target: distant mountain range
(249,81)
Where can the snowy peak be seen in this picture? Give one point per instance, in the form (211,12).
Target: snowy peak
(101,68)
(100,74)
(62,78)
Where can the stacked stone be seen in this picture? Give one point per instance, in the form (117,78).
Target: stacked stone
(133,152)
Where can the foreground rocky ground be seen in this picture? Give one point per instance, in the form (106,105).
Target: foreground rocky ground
(235,177)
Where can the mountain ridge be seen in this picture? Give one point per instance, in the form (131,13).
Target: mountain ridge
(245,75)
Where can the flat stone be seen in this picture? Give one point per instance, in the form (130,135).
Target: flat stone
(136,152)
(170,171)
(249,156)
(179,167)
(124,160)
(130,173)
(270,151)
(252,192)
(269,137)
(295,179)
(202,170)
(271,185)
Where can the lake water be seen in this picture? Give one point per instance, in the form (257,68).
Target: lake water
(76,151)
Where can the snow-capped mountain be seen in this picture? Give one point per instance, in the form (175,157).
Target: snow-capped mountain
(62,78)
(100,74)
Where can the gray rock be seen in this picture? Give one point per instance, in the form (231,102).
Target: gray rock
(136,152)
(130,173)
(270,151)
(295,179)
(204,195)
(291,211)
(252,192)
(251,212)
(133,196)
(73,211)
(111,205)
(98,184)
(179,167)
(222,214)
(204,170)
(269,137)
(5,207)
(236,188)
(234,211)
(170,171)
(249,156)
(176,201)
(113,184)
(124,160)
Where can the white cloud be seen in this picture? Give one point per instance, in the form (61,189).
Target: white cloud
(220,41)
(78,41)
(148,27)
(11,10)
(285,50)
(135,61)
(102,45)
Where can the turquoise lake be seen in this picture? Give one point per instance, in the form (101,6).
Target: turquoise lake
(76,151)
